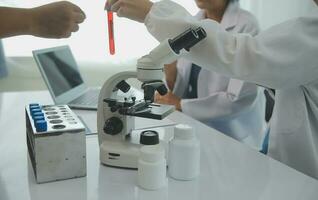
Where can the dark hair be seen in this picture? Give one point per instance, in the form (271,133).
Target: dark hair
(233,0)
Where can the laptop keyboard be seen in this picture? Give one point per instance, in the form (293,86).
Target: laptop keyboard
(88,98)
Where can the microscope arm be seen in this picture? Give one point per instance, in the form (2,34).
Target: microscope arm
(103,111)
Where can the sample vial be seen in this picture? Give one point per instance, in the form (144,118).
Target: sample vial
(184,154)
(152,167)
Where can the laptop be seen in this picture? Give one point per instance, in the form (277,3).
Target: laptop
(63,78)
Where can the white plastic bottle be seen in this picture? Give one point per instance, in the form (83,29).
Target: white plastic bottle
(184,154)
(152,167)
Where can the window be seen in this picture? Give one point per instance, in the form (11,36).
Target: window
(91,42)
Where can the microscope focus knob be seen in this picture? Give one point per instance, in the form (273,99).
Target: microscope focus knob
(113,126)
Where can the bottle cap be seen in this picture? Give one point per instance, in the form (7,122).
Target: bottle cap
(183,131)
(152,153)
(149,137)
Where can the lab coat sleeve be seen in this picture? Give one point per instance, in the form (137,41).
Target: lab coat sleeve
(221,105)
(238,97)
(182,78)
(284,56)
(247,24)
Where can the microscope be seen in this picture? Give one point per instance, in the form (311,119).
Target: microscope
(118,105)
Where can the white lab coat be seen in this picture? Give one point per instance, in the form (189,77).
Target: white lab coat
(284,57)
(231,106)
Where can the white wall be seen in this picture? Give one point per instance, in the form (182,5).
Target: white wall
(271,12)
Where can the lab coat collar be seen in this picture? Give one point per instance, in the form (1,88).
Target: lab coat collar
(230,17)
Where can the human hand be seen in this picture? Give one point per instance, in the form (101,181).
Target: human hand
(170,99)
(171,74)
(136,10)
(55,20)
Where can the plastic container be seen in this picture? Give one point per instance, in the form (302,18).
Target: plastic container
(184,154)
(152,167)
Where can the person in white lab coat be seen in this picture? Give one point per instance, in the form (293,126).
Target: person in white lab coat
(231,106)
(283,57)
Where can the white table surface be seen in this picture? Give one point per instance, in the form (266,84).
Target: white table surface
(229,170)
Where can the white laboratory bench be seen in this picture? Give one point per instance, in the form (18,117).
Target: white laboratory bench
(229,170)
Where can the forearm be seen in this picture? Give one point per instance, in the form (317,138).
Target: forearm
(14,21)
(55,20)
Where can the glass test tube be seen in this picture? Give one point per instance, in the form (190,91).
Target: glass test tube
(111,40)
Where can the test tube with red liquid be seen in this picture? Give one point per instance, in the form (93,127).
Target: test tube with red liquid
(110,21)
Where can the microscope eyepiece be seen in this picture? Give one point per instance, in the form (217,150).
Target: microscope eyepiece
(187,39)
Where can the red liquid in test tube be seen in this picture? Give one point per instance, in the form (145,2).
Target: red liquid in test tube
(111,40)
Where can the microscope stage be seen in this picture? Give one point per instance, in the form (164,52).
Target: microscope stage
(157,111)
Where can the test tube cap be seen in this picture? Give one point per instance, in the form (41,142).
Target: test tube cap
(41,125)
(34,105)
(35,110)
(35,114)
(37,118)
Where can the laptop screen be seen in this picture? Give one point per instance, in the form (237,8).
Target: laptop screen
(60,69)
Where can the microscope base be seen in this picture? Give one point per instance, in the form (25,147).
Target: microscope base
(119,154)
